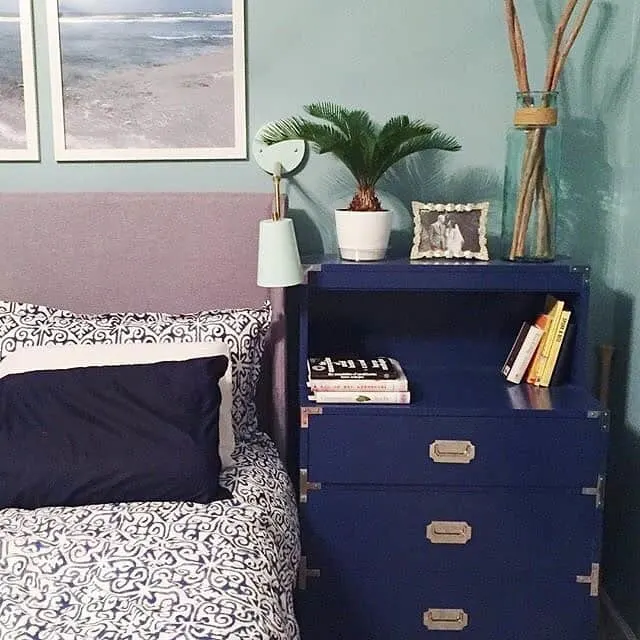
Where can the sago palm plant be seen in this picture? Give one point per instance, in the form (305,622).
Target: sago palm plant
(366,149)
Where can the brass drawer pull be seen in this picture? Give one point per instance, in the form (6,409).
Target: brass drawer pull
(452,451)
(445,619)
(443,532)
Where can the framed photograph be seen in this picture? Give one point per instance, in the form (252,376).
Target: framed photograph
(147,79)
(450,230)
(18,106)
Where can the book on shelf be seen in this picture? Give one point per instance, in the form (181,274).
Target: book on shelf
(553,310)
(560,371)
(542,348)
(515,349)
(544,379)
(361,397)
(542,321)
(357,380)
(522,351)
(332,368)
(352,383)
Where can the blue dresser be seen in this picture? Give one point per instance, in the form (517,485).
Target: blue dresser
(473,512)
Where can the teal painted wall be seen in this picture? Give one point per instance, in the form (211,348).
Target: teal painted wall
(448,63)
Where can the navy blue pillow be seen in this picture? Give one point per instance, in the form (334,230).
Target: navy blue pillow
(140,432)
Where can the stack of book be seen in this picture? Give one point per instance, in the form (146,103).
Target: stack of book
(540,351)
(359,380)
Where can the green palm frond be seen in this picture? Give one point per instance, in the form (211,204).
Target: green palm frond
(351,122)
(365,149)
(322,137)
(360,134)
(403,146)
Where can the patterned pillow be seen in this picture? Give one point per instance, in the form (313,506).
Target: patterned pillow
(244,330)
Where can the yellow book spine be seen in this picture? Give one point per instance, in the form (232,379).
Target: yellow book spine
(556,314)
(549,314)
(545,379)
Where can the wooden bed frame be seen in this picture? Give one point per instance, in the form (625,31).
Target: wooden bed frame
(173,252)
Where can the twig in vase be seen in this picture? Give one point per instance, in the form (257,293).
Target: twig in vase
(543,239)
(554,49)
(516,41)
(534,152)
(534,186)
(562,58)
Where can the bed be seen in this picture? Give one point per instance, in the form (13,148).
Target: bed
(96,273)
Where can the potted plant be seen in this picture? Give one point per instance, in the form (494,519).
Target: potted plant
(367,150)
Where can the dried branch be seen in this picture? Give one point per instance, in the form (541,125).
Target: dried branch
(516,49)
(554,49)
(522,54)
(572,38)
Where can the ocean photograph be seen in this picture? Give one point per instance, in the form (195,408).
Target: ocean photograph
(149,75)
(13,121)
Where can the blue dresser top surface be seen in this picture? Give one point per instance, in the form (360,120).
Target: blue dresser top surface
(447,275)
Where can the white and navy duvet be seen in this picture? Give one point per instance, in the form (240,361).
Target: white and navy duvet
(157,570)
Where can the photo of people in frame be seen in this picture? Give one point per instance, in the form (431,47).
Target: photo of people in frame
(449,231)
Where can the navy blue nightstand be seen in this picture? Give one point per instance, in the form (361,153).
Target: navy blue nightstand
(476,509)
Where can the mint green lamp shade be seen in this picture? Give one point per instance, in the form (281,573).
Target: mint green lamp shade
(278,255)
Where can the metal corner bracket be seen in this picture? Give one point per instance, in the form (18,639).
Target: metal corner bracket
(305,412)
(306,486)
(304,573)
(600,415)
(584,270)
(308,268)
(593,579)
(598,491)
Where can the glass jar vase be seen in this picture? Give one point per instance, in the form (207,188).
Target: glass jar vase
(531,178)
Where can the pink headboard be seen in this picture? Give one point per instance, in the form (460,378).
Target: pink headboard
(174,252)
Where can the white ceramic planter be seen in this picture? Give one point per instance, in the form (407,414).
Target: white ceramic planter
(363,235)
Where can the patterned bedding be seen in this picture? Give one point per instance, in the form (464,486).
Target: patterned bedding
(158,571)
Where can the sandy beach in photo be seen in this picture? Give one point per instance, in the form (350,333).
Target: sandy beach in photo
(12,114)
(12,123)
(188,103)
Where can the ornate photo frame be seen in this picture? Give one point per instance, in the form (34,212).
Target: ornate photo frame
(450,231)
(145,83)
(19,140)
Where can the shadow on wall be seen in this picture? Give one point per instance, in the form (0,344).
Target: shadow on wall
(621,556)
(588,198)
(421,177)
(593,99)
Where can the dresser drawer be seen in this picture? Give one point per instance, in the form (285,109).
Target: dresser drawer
(373,605)
(448,451)
(489,532)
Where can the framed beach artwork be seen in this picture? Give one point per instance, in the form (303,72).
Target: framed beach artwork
(147,79)
(18,106)
(450,230)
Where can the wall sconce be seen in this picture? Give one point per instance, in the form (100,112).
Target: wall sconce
(278,255)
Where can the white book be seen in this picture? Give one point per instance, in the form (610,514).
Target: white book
(520,364)
(398,384)
(361,397)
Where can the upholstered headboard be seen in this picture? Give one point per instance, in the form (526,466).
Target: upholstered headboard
(174,252)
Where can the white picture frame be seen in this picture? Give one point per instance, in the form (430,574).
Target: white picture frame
(189,107)
(450,231)
(19,136)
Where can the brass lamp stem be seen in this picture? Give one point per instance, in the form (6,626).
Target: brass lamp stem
(277,213)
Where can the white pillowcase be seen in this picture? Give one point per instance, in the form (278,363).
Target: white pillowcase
(71,356)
